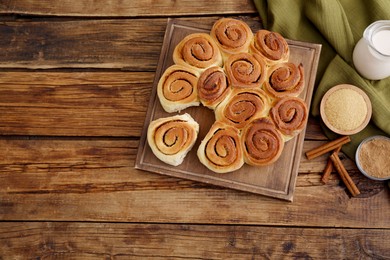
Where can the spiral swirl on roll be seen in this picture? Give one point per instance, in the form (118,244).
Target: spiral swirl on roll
(212,87)
(285,79)
(197,50)
(231,35)
(220,150)
(177,88)
(289,115)
(171,138)
(271,46)
(262,142)
(245,70)
(242,106)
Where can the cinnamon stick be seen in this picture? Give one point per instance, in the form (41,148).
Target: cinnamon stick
(344,175)
(327,171)
(327,147)
(329,167)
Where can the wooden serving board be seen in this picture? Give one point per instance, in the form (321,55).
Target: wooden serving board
(276,180)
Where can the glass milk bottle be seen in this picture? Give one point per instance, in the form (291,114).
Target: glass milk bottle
(371,55)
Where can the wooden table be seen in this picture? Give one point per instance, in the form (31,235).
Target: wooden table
(75,80)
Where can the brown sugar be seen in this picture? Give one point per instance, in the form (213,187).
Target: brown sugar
(346,109)
(374,157)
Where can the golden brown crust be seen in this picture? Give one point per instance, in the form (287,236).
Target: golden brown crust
(213,87)
(285,79)
(171,138)
(271,46)
(198,51)
(290,115)
(177,88)
(220,150)
(262,142)
(242,106)
(245,70)
(231,35)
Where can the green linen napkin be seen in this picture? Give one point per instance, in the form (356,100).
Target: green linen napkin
(338,25)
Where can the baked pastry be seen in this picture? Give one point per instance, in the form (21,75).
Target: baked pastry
(231,35)
(197,50)
(220,150)
(290,116)
(248,82)
(171,138)
(285,79)
(177,88)
(262,143)
(271,46)
(213,87)
(245,70)
(242,106)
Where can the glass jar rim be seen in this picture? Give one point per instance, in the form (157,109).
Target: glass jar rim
(374,28)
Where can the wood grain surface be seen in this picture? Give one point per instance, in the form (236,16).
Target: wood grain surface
(75,80)
(74,103)
(119,8)
(155,241)
(75,179)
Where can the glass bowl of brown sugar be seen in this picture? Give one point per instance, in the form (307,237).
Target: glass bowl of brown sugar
(373,157)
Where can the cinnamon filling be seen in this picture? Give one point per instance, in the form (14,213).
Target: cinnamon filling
(246,71)
(262,145)
(231,35)
(198,52)
(174,136)
(243,107)
(284,78)
(221,149)
(179,85)
(213,86)
(289,115)
(271,45)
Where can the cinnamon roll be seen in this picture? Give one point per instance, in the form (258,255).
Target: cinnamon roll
(271,46)
(177,88)
(213,87)
(171,138)
(242,106)
(197,50)
(231,35)
(221,150)
(245,70)
(262,142)
(290,116)
(285,79)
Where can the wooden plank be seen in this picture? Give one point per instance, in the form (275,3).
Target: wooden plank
(158,241)
(21,160)
(313,130)
(132,44)
(81,180)
(120,8)
(81,103)
(73,103)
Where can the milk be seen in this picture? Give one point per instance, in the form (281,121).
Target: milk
(381,41)
(371,55)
